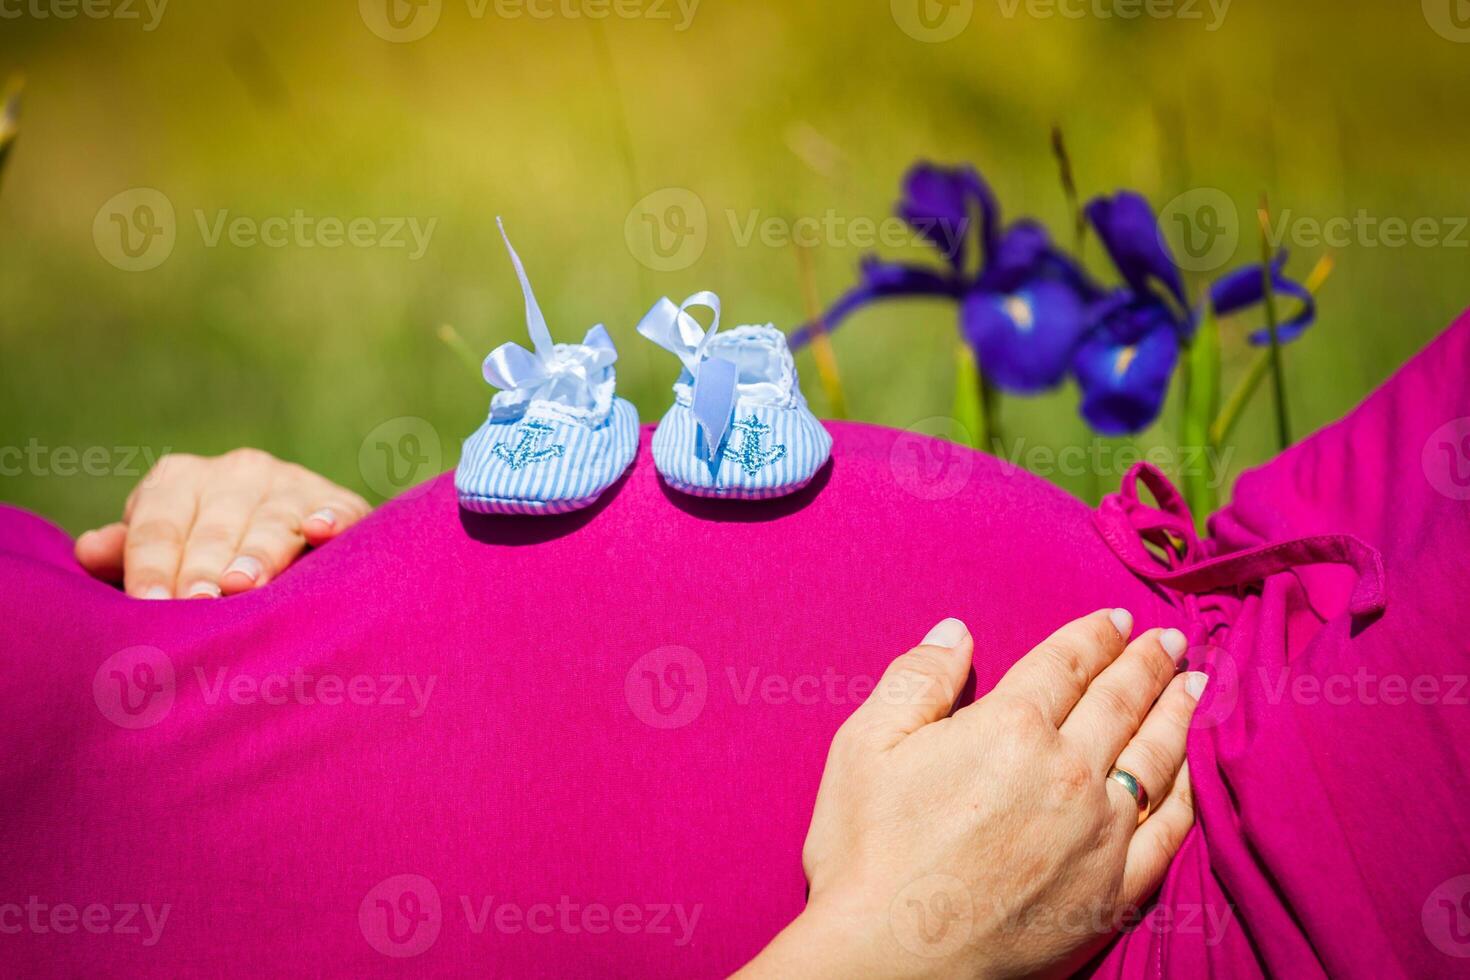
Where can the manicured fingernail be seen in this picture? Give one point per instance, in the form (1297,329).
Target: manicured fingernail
(1122,622)
(326,515)
(947,633)
(157,592)
(1194,683)
(247,566)
(203,590)
(1174,644)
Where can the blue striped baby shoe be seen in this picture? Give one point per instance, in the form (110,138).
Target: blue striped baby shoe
(557,436)
(739,427)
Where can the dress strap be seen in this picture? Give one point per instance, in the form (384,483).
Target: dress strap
(1182,562)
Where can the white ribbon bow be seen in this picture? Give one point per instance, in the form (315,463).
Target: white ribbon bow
(512,368)
(673,329)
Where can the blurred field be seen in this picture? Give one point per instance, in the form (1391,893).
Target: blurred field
(759,110)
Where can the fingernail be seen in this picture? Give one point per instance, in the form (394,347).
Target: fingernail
(1174,644)
(247,566)
(1194,683)
(1122,622)
(157,592)
(947,633)
(203,590)
(326,515)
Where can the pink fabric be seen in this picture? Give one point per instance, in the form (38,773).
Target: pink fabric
(612,771)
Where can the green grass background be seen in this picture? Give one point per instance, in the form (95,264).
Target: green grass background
(762,108)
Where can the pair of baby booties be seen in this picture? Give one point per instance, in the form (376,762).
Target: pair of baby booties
(558,436)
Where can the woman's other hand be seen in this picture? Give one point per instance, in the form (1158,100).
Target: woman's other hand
(201,527)
(991,840)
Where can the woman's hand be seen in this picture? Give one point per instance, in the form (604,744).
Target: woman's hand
(992,841)
(201,527)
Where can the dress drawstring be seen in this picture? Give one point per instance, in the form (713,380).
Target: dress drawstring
(1184,564)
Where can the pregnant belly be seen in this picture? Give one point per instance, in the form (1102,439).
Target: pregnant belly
(584,745)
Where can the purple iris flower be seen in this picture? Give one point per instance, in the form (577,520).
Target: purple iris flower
(1124,365)
(1022,308)
(1244,287)
(1136,332)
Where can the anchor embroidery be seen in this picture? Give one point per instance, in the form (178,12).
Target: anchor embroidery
(525,452)
(751,457)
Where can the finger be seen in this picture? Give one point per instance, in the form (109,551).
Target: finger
(214,540)
(1155,754)
(100,552)
(334,516)
(172,468)
(1055,674)
(161,518)
(272,540)
(1158,839)
(1114,706)
(920,687)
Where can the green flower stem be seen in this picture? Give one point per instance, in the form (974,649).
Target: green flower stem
(1069,190)
(826,358)
(9,117)
(990,413)
(1278,371)
(1202,400)
(1235,405)
(1239,398)
(974,400)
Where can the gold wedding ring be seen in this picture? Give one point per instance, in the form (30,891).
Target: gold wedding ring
(1130,782)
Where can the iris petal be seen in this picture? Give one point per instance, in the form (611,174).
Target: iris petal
(1129,231)
(1237,289)
(938,203)
(1016,257)
(880,280)
(1294,326)
(1025,339)
(1124,368)
(1243,288)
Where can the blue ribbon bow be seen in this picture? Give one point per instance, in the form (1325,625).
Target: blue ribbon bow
(673,329)
(510,367)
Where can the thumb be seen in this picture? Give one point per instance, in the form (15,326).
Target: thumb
(920,687)
(100,552)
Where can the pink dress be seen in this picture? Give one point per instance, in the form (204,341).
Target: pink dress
(588,745)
